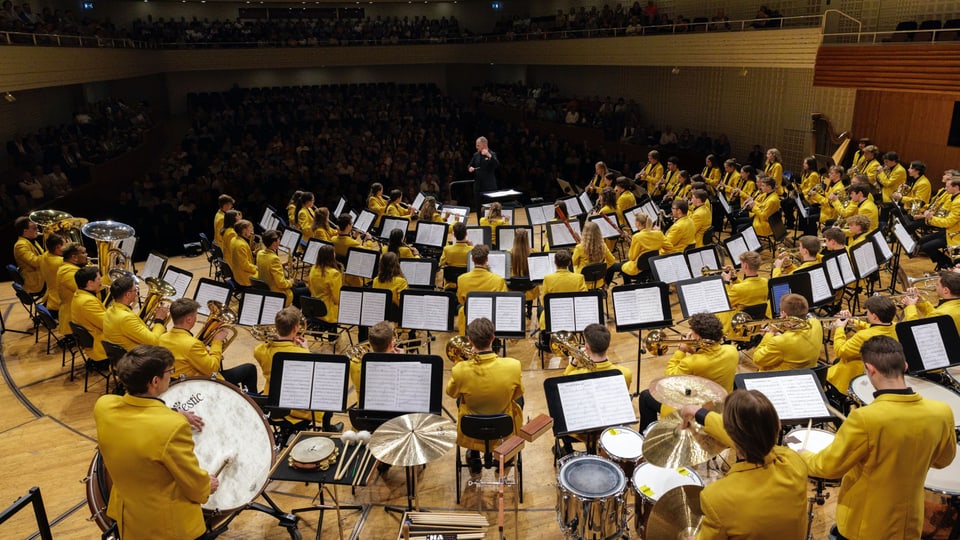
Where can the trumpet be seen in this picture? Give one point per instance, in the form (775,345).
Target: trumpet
(459,349)
(159,289)
(850,319)
(563,343)
(744,325)
(707,271)
(221,317)
(656,344)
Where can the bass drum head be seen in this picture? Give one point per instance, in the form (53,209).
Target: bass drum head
(99,485)
(234,430)
(592,477)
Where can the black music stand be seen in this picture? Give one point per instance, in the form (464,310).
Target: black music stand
(597,393)
(420,273)
(558,236)
(796,394)
(539,215)
(504,309)
(432,311)
(636,308)
(798,283)
(207,290)
(572,311)
(505,231)
(362,307)
(459,185)
(928,343)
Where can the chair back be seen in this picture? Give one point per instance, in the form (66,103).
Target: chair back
(259,284)
(708,236)
(82,335)
(225,270)
(114,351)
(486,427)
(46,318)
(452,273)
(594,272)
(15,275)
(756,311)
(25,298)
(520,284)
(312,308)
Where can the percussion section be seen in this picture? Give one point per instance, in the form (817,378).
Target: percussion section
(590,498)
(651,482)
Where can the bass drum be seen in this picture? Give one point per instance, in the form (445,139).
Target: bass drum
(233,429)
(941,501)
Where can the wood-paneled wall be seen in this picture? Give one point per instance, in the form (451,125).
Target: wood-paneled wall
(914,67)
(915,125)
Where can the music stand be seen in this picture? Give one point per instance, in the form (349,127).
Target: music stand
(361,306)
(906,243)
(269,220)
(506,212)
(389,223)
(839,269)
(750,236)
(736,245)
(572,312)
(420,273)
(794,283)
(479,235)
(503,309)
(927,343)
(541,264)
(588,404)
(821,290)
(431,235)
(456,213)
(365,221)
(706,294)
(154,266)
(392,385)
(179,278)
(864,256)
(796,394)
(645,208)
(341,204)
(506,234)
(607,230)
(498,262)
(260,307)
(432,311)
(539,215)
(313,248)
(558,236)
(643,306)
(417,202)
(571,205)
(362,263)
(884,255)
(700,258)
(670,268)
(207,290)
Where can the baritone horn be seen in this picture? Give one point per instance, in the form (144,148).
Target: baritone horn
(459,349)
(108,235)
(159,289)
(656,343)
(221,317)
(564,343)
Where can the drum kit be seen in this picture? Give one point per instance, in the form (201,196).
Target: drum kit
(591,496)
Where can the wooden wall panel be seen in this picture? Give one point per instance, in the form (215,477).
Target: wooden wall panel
(914,67)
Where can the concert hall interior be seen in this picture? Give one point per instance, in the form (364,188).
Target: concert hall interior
(731,194)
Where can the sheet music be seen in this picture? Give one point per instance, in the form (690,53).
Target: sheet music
(271,305)
(882,244)
(724,203)
(750,235)
(391,223)
(819,286)
(651,210)
(572,207)
(709,258)
(328,386)
(127,245)
(455,213)
(418,201)
(586,311)
(479,307)
(560,235)
(639,306)
(267,218)
(499,263)
(540,265)
(361,263)
(833,271)
(803,209)
(736,246)
(707,296)
(476,237)
(179,280)
(353,216)
(250,309)
(505,238)
(630,217)
(846,268)
(350,302)
(509,314)
(425,312)
(313,248)
(418,272)
(905,238)
(208,291)
(152,267)
(431,234)
(930,345)
(606,229)
(795,397)
(694,261)
(866,259)
(561,315)
(374,308)
(296,385)
(672,268)
(536,216)
(584,199)
(364,221)
(594,403)
(397,386)
(290,240)
(340,205)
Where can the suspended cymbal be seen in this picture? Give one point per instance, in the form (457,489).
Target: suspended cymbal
(413,439)
(679,390)
(676,514)
(666,445)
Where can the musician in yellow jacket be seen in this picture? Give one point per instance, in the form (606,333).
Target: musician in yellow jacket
(950,225)
(270,268)
(225,204)
(191,356)
(809,249)
(883,451)
(871,167)
(325,281)
(123,327)
(305,216)
(834,186)
(701,216)
(682,233)
(645,240)
(480,279)
(652,172)
(749,291)
(74,258)
(561,281)
(948,289)
(376,202)
(87,310)
(860,198)
(456,254)
(790,348)
(763,495)
(596,342)
(880,314)
(50,263)
(918,197)
(26,252)
(242,263)
(494,219)
(625,198)
(891,176)
(230,218)
(158,485)
(764,206)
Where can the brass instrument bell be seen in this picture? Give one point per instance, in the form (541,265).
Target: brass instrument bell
(159,289)
(925,282)
(220,317)
(744,325)
(108,235)
(564,343)
(459,349)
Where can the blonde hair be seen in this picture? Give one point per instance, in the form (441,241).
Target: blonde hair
(642,220)
(592,241)
(495,211)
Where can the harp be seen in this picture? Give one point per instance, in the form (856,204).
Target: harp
(828,147)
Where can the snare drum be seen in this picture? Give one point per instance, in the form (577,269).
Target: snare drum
(817,439)
(623,446)
(590,501)
(941,499)
(650,482)
(863,389)
(233,427)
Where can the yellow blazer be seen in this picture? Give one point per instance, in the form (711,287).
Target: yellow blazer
(49,265)
(123,327)
(798,349)
(600,366)
(580,258)
(774,170)
(891,181)
(951,223)
(395,210)
(807,182)
(242,263)
(730,182)
(947,306)
(680,235)
(190,356)
(479,279)
(643,242)
(305,223)
(869,208)
(343,242)
(27,255)
(560,281)
(715,362)
(625,201)
(456,254)
(850,362)
(377,205)
(270,269)
(777,272)
(827,211)
(66,287)
(327,234)
(882,452)
(711,175)
(871,169)
(755,501)
(325,284)
(227,246)
(263,354)
(702,218)
(765,206)
(87,310)
(158,485)
(489,385)
(493,224)
(652,173)
(395,286)
(217,227)
(920,191)
(405,252)
(748,292)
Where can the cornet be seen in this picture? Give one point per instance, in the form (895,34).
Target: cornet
(656,344)
(563,343)
(791,256)
(923,282)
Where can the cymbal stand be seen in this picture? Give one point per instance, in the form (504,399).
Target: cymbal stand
(819,497)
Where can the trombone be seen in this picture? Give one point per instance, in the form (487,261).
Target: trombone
(656,344)
(744,325)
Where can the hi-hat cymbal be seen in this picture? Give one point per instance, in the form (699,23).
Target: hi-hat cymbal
(676,514)
(679,390)
(413,439)
(666,445)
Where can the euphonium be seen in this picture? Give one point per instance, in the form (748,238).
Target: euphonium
(656,344)
(159,289)
(564,343)
(266,333)
(744,325)
(220,317)
(108,235)
(460,349)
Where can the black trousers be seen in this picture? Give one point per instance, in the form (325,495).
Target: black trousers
(649,410)
(245,374)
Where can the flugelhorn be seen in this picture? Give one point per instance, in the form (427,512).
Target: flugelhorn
(221,317)
(108,235)
(656,344)
(744,325)
(159,289)
(564,343)
(459,349)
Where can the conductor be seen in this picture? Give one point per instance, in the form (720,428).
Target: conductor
(482,165)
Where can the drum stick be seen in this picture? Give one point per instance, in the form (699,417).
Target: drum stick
(806,437)
(346,450)
(346,465)
(226,462)
(363,465)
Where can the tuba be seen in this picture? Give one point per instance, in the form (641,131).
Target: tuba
(220,317)
(108,235)
(159,289)
(460,349)
(59,222)
(564,343)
